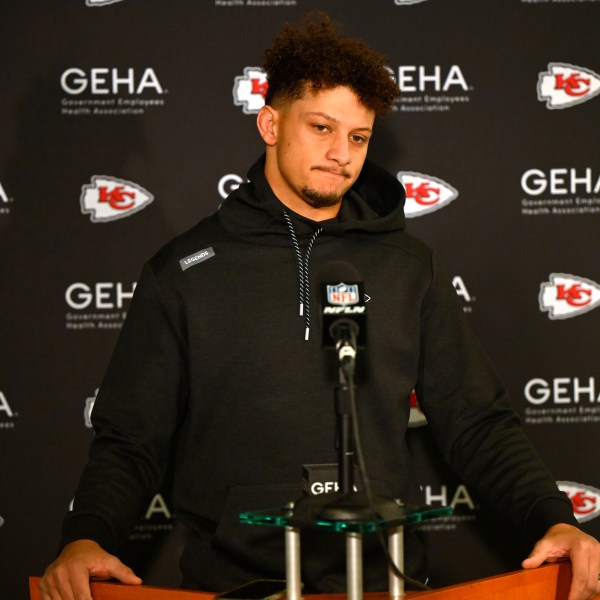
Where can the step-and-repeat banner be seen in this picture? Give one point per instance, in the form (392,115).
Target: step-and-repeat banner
(123,122)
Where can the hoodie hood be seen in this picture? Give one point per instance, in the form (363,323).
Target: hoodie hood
(374,204)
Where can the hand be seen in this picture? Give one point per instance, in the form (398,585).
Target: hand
(68,577)
(566,541)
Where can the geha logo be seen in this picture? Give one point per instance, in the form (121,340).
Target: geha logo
(108,198)
(158,506)
(424,193)
(460,498)
(104,81)
(562,390)
(564,85)
(418,78)
(250,89)
(462,291)
(8,412)
(560,181)
(585,499)
(4,201)
(430,88)
(3,196)
(229,183)
(97,306)
(565,296)
(157,520)
(104,295)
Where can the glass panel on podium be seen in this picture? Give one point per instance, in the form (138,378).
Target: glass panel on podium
(352,514)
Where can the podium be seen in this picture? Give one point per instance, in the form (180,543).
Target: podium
(548,582)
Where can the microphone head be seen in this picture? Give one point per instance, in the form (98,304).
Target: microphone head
(342,300)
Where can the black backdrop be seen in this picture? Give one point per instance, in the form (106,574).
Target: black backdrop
(150,103)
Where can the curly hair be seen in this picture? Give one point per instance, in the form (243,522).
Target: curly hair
(316,56)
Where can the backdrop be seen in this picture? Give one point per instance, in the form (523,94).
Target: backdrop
(123,122)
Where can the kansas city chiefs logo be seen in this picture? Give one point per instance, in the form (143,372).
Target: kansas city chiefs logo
(108,198)
(565,296)
(564,85)
(250,89)
(424,193)
(416,417)
(585,499)
(89,407)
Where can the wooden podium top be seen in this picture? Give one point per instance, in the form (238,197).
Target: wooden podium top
(548,582)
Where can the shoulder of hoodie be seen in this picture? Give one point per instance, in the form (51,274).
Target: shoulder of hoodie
(404,243)
(166,262)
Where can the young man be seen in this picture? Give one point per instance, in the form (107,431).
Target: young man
(216,370)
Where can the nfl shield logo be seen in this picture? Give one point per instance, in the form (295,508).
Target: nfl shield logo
(342,294)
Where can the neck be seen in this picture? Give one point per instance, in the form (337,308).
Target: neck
(304,209)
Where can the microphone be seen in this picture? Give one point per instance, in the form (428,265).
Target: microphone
(343,310)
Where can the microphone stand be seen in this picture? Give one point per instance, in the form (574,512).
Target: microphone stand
(343,411)
(348,505)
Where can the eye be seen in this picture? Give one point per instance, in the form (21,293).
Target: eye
(320,128)
(359,139)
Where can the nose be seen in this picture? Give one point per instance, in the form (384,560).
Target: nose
(339,150)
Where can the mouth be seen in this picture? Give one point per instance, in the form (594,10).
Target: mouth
(332,171)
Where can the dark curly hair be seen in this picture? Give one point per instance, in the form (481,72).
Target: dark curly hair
(316,56)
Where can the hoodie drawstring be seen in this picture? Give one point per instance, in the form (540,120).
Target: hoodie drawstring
(302,260)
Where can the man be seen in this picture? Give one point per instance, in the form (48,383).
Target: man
(217,371)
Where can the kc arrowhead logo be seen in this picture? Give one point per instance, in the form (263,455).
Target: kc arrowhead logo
(108,198)
(564,85)
(250,89)
(424,193)
(89,407)
(416,417)
(585,499)
(565,296)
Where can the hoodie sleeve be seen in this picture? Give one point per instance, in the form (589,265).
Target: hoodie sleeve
(136,413)
(478,432)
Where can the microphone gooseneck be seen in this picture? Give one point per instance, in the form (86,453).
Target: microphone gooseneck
(343,312)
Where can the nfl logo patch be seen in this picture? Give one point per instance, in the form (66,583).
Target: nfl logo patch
(342,294)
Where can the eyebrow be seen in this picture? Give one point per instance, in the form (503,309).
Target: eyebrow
(334,120)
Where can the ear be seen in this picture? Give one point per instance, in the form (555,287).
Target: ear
(267,122)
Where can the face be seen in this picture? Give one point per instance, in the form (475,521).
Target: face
(316,147)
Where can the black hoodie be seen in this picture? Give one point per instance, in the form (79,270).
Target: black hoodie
(213,370)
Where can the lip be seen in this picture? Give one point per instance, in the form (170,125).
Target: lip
(333,173)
